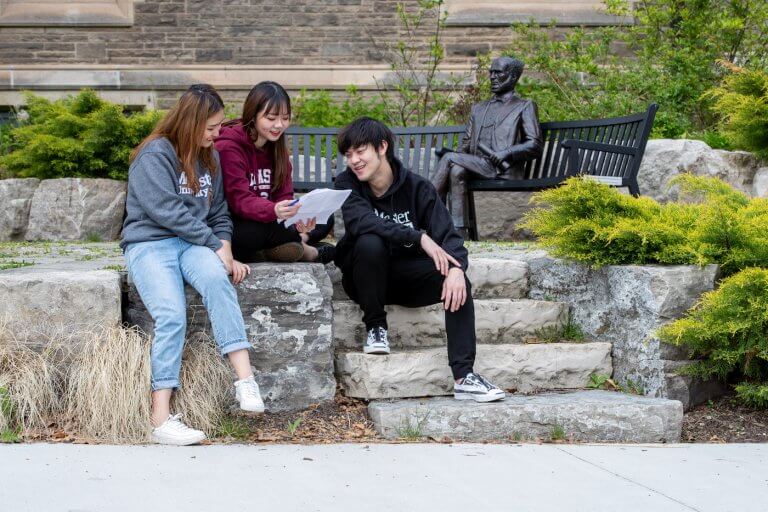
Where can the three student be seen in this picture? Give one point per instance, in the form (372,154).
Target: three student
(400,246)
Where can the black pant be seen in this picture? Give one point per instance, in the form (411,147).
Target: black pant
(373,278)
(249,237)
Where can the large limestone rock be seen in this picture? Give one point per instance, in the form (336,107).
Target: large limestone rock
(425,372)
(38,303)
(496,321)
(589,416)
(624,305)
(760,183)
(490,278)
(287,312)
(16,198)
(689,390)
(76,209)
(499,215)
(666,158)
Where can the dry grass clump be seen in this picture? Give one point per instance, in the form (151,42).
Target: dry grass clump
(30,386)
(108,386)
(206,386)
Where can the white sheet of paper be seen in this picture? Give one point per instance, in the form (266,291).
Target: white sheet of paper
(320,204)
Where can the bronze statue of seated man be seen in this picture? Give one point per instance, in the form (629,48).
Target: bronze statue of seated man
(502,134)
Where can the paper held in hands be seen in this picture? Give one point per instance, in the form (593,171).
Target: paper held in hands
(320,204)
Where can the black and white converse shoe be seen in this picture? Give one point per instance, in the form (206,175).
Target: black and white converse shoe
(377,341)
(476,387)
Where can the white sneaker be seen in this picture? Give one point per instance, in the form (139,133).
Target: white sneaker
(477,388)
(247,393)
(377,341)
(174,432)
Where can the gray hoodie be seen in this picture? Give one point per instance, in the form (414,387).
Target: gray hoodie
(161,205)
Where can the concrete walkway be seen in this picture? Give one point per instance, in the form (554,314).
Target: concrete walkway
(393,478)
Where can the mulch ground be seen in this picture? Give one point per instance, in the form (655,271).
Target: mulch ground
(724,420)
(345,420)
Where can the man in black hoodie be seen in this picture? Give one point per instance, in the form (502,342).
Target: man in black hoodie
(400,247)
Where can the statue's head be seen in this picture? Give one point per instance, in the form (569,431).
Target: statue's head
(504,74)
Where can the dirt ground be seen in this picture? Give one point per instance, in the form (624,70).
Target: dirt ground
(725,420)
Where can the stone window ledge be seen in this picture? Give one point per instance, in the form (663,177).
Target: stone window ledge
(463,13)
(86,13)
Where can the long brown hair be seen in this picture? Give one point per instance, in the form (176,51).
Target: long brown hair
(183,126)
(268,97)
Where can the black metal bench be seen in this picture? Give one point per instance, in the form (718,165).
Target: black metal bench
(608,149)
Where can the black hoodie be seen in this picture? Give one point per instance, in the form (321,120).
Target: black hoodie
(407,209)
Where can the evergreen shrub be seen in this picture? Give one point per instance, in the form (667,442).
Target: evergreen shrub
(79,136)
(728,330)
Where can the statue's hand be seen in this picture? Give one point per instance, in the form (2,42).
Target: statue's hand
(497,157)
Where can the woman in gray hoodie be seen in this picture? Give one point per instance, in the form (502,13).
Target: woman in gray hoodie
(177,230)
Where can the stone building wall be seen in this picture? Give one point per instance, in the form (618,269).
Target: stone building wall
(155,48)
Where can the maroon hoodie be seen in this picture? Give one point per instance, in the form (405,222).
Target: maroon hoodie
(247,175)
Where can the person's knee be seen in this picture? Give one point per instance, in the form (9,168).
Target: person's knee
(458,173)
(171,317)
(370,246)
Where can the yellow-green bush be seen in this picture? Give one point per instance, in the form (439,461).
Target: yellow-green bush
(728,330)
(589,222)
(79,136)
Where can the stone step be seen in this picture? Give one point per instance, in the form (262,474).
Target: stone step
(496,321)
(490,278)
(425,372)
(587,416)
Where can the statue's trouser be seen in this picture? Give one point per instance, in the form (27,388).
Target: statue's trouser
(452,173)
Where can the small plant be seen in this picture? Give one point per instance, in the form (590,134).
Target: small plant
(93,238)
(234,427)
(548,334)
(600,381)
(572,331)
(10,436)
(412,430)
(558,433)
(5,265)
(292,426)
(119,268)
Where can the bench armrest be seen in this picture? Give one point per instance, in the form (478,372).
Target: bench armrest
(598,146)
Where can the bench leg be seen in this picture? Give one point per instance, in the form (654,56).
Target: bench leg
(472,215)
(634,188)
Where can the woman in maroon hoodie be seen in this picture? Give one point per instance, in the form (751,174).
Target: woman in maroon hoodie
(258,184)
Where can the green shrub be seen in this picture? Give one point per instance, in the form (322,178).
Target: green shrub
(667,56)
(729,331)
(319,108)
(593,223)
(742,103)
(80,136)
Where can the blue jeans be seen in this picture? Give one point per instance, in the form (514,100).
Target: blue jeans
(159,270)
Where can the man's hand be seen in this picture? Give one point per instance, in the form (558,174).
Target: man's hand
(454,290)
(305,228)
(239,271)
(225,255)
(441,258)
(285,210)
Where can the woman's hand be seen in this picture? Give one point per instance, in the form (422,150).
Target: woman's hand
(305,228)
(239,271)
(286,209)
(225,255)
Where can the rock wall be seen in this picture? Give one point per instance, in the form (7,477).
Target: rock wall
(625,305)
(289,321)
(62,209)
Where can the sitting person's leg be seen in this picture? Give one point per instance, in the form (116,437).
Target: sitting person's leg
(251,239)
(203,269)
(415,282)
(154,269)
(365,281)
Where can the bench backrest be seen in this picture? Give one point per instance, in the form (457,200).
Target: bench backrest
(315,163)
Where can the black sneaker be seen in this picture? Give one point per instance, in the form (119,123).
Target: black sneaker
(325,253)
(476,387)
(377,341)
